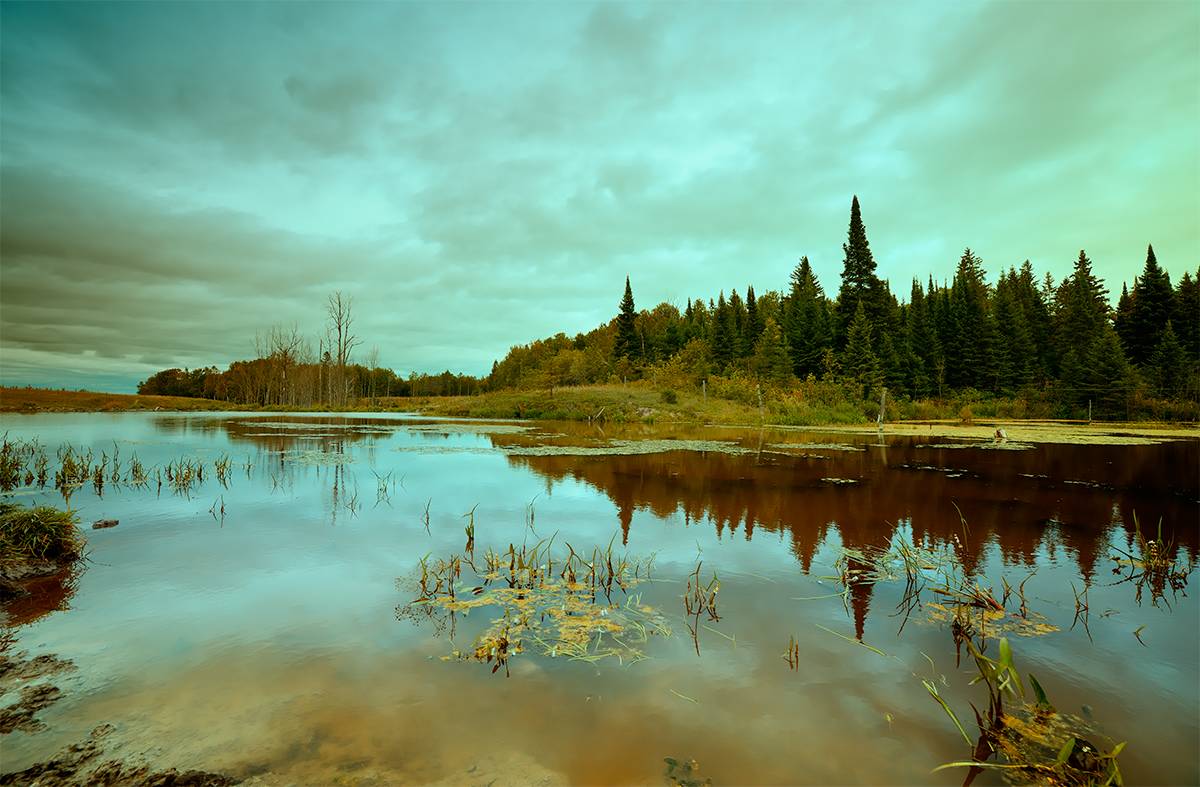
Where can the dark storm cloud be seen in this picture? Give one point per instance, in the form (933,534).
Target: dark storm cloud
(177,177)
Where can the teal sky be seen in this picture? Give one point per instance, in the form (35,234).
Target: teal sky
(176,177)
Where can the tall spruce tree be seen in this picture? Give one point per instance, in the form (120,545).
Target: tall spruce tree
(807,321)
(1187,314)
(969,359)
(859,282)
(770,361)
(1168,366)
(1089,366)
(859,362)
(627,344)
(1151,309)
(1015,353)
(754,322)
(723,336)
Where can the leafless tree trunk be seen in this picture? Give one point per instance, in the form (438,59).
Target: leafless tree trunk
(343,341)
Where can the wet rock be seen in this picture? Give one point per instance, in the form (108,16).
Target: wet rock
(21,570)
(100,524)
(10,590)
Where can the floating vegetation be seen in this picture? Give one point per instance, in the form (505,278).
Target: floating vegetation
(559,605)
(1038,745)
(684,773)
(316,458)
(628,448)
(971,609)
(990,445)
(790,447)
(841,481)
(1153,565)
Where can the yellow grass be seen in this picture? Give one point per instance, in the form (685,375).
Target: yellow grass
(43,400)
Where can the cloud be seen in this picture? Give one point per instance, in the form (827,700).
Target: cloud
(178,177)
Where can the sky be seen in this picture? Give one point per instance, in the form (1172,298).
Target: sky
(176,178)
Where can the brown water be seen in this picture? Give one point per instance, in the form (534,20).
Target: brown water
(266,643)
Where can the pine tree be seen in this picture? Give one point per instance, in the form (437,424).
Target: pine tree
(627,344)
(771,362)
(754,322)
(737,312)
(922,340)
(1123,319)
(1187,314)
(859,362)
(1015,352)
(807,318)
(723,337)
(1151,309)
(859,282)
(1169,365)
(969,359)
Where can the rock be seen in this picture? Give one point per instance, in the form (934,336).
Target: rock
(21,570)
(103,523)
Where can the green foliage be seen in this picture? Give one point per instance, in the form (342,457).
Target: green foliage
(771,361)
(858,361)
(627,344)
(41,533)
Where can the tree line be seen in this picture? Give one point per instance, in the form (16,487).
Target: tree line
(1057,345)
(288,371)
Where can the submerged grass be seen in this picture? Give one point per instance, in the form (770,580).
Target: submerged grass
(561,605)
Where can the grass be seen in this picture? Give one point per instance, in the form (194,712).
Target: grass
(45,400)
(41,533)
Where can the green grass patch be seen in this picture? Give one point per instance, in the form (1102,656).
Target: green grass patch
(41,533)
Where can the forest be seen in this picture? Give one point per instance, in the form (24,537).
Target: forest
(1026,345)
(1042,348)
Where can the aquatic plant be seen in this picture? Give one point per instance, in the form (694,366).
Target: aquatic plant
(1152,565)
(1036,742)
(39,533)
(560,604)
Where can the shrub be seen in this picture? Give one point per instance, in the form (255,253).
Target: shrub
(669,396)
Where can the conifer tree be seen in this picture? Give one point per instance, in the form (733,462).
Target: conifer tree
(859,282)
(1123,319)
(1151,309)
(807,317)
(969,360)
(1015,352)
(1169,365)
(723,337)
(627,344)
(859,362)
(754,322)
(771,362)
(1187,314)
(737,311)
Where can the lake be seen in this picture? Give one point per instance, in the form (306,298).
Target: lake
(261,622)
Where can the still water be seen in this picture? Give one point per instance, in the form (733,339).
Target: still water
(262,627)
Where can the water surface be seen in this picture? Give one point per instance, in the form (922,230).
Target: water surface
(264,642)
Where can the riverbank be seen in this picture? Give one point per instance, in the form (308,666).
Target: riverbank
(639,402)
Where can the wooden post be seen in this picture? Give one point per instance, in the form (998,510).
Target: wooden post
(1089,411)
(761,415)
(704,389)
(882,404)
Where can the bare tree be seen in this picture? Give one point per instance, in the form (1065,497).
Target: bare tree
(339,308)
(372,362)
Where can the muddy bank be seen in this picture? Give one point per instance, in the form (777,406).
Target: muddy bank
(81,763)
